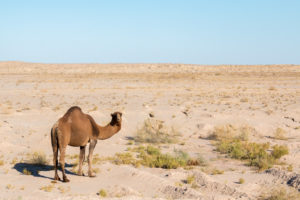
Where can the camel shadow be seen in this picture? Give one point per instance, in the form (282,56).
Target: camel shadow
(34,169)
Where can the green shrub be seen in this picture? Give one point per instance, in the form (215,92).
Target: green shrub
(256,154)
(279,151)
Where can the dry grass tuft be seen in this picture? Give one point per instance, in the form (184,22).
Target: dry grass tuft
(190,179)
(1,162)
(38,158)
(102,193)
(47,188)
(26,172)
(280,193)
(241,181)
(228,131)
(156,132)
(280,134)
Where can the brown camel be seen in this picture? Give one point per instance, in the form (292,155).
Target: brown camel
(77,129)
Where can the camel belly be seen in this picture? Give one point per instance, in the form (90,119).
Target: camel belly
(77,140)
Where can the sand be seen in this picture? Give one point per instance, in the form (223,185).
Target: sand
(192,98)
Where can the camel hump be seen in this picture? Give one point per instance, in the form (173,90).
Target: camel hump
(94,126)
(73,108)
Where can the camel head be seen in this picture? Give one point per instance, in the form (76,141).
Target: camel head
(116,118)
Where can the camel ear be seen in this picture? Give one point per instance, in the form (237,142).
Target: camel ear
(112,114)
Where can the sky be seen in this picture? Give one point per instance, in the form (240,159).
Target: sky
(155,31)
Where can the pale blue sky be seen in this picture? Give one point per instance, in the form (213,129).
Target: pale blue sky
(156,31)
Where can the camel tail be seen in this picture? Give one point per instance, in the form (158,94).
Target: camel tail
(54,138)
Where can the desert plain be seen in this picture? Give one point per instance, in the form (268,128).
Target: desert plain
(201,104)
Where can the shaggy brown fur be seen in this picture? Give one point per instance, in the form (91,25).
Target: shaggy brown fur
(78,129)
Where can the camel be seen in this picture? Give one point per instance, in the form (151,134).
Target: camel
(78,129)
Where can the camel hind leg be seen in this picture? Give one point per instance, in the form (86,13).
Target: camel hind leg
(62,150)
(55,151)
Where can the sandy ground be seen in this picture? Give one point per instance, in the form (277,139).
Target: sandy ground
(192,98)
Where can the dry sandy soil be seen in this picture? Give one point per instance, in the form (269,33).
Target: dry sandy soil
(192,98)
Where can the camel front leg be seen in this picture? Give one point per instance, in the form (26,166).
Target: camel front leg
(81,159)
(90,158)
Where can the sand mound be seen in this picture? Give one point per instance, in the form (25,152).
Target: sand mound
(292,179)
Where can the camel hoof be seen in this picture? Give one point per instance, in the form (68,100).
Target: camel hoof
(56,178)
(66,180)
(80,174)
(92,175)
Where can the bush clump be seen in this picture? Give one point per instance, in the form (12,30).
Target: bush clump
(233,142)
(156,132)
(38,158)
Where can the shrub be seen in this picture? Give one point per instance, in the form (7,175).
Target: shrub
(154,131)
(290,168)
(228,132)
(280,134)
(26,172)
(256,154)
(38,158)
(217,171)
(199,161)
(279,151)
(190,179)
(241,181)
(124,158)
(152,157)
(102,193)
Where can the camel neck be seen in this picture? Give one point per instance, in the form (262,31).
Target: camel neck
(108,131)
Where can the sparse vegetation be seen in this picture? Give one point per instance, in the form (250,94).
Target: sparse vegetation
(14,161)
(155,131)
(9,186)
(190,179)
(47,188)
(279,151)
(280,134)
(233,142)
(102,193)
(280,193)
(96,170)
(229,132)
(38,158)
(1,162)
(152,157)
(290,168)
(243,100)
(217,171)
(26,171)
(241,181)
